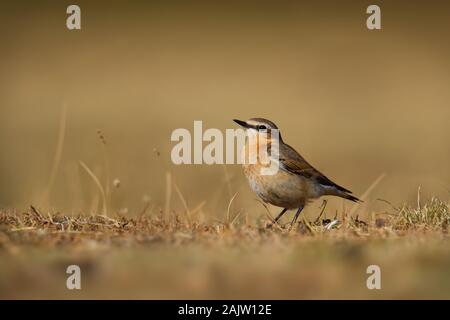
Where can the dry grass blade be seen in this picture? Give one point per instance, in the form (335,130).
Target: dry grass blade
(58,153)
(227,180)
(97,183)
(236,217)
(324,204)
(36,213)
(229,207)
(198,207)
(168,193)
(418,198)
(389,203)
(102,139)
(366,194)
(183,201)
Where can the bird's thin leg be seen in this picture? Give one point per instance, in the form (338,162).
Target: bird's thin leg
(296,215)
(280,215)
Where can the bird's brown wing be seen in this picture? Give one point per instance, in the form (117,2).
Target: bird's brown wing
(293,162)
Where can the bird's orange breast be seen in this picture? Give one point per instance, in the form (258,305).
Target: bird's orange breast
(283,189)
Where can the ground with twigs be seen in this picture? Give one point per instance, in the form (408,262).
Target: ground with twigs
(155,256)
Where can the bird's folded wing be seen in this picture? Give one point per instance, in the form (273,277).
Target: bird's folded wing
(293,162)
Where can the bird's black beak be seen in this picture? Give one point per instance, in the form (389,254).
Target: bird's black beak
(241,123)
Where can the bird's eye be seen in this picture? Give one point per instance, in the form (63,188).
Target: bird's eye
(261,127)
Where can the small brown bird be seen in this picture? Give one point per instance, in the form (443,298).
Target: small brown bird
(295,182)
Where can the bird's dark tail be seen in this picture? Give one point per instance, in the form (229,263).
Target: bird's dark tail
(335,190)
(350,197)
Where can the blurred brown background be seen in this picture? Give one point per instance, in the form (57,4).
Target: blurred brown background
(356,103)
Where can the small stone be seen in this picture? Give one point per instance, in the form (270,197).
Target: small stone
(380,223)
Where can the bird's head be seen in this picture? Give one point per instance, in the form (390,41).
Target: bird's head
(260,128)
(258,124)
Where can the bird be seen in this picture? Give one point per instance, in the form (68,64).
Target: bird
(295,182)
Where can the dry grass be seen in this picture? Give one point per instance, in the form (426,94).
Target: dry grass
(158,256)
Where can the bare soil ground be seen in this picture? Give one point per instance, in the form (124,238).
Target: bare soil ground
(156,257)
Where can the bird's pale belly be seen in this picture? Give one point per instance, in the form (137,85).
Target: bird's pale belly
(282,189)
